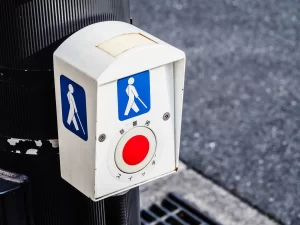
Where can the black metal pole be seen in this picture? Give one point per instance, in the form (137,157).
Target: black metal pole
(31,30)
(123,209)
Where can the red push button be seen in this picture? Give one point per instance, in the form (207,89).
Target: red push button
(135,150)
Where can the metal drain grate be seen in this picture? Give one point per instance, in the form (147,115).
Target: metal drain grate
(173,210)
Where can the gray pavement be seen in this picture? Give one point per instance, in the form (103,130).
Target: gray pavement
(242,97)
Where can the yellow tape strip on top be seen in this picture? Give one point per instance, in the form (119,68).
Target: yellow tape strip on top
(119,44)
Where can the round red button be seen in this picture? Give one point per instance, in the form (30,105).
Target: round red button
(135,150)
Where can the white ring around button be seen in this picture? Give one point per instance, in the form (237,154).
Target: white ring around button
(145,172)
(121,164)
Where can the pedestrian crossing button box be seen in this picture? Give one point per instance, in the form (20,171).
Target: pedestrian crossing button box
(119,93)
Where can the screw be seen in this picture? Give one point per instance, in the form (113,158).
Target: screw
(166,116)
(102,137)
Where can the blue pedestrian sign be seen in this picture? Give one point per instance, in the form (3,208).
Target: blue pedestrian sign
(73,104)
(134,95)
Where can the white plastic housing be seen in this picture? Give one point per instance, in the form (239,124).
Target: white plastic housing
(95,58)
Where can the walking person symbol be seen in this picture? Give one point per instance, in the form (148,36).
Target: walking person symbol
(132,94)
(73,109)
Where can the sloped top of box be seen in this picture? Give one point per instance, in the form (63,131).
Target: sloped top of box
(104,49)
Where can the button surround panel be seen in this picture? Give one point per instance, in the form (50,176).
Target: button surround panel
(145,171)
(145,131)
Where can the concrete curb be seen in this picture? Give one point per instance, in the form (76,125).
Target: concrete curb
(206,196)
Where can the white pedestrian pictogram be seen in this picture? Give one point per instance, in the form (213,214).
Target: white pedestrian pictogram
(132,94)
(73,109)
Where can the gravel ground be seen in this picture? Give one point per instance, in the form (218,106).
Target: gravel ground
(242,99)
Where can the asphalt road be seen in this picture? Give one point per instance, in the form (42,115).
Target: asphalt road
(241,124)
